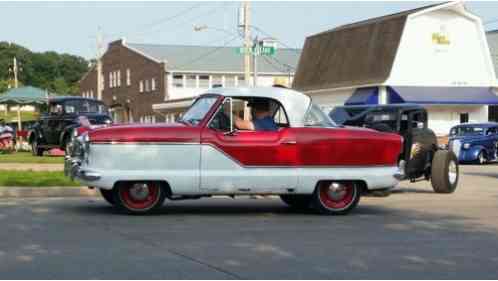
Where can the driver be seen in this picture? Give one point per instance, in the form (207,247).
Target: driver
(262,119)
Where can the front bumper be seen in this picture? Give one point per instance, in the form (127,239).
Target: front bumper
(72,169)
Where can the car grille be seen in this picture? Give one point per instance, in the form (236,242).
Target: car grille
(455,146)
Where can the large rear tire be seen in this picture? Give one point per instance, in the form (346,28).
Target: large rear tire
(336,198)
(444,172)
(298,201)
(138,198)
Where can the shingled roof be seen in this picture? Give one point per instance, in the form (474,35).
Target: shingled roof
(354,54)
(215,59)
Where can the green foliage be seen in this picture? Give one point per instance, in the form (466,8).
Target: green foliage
(26,157)
(59,73)
(35,179)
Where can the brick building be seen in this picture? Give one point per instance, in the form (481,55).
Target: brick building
(155,83)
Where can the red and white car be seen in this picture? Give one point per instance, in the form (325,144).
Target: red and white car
(308,162)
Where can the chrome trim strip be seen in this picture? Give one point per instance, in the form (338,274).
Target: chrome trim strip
(144,143)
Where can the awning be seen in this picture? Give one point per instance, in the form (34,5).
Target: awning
(25,95)
(361,96)
(443,95)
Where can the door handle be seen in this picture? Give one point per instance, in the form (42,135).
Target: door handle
(290,142)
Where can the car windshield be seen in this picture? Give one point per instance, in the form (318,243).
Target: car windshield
(315,117)
(466,131)
(198,110)
(85,106)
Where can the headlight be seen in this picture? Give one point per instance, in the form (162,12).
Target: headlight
(466,145)
(75,132)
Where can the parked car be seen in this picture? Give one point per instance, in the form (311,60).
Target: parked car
(422,157)
(475,143)
(308,161)
(7,137)
(54,129)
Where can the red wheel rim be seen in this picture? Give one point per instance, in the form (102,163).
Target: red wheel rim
(139,196)
(337,196)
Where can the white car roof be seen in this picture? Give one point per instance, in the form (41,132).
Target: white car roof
(295,103)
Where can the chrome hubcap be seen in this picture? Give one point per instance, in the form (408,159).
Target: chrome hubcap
(139,191)
(336,191)
(452,172)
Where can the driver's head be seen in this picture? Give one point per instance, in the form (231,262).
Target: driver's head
(260,105)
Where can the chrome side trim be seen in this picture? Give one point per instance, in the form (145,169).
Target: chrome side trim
(145,143)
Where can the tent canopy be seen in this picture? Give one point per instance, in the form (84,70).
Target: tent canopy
(25,95)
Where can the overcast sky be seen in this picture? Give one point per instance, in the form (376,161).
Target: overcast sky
(72,26)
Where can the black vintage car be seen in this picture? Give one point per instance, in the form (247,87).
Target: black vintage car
(64,114)
(421,157)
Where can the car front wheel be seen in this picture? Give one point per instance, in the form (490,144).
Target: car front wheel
(336,198)
(444,172)
(138,197)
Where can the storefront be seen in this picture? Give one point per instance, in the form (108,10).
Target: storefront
(436,56)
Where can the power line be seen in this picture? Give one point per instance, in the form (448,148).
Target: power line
(163,20)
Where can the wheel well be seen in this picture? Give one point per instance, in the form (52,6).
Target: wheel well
(361,183)
(164,185)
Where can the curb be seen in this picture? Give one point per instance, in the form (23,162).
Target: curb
(56,191)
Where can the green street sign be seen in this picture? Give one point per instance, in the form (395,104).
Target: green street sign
(258,50)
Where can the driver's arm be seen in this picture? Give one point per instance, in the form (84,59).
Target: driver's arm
(242,124)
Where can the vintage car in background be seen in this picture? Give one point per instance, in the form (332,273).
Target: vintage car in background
(475,143)
(55,128)
(308,161)
(422,157)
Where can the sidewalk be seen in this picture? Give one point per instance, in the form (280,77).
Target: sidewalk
(31,166)
(56,191)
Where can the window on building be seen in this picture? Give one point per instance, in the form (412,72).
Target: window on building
(464,118)
(91,94)
(191,81)
(110,79)
(216,81)
(153,84)
(230,81)
(141,86)
(128,77)
(178,81)
(147,85)
(203,81)
(118,77)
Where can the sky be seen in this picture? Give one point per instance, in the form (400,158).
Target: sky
(72,27)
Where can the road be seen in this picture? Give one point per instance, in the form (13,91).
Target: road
(412,234)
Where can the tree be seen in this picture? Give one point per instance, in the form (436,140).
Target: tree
(55,72)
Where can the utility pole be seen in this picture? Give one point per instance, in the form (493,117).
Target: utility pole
(100,83)
(255,51)
(247,43)
(16,85)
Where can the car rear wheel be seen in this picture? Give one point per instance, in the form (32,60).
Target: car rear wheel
(35,149)
(336,198)
(138,197)
(108,196)
(297,201)
(444,172)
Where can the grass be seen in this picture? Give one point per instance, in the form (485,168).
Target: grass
(12,116)
(35,179)
(26,157)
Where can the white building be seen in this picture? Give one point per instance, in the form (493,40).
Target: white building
(436,56)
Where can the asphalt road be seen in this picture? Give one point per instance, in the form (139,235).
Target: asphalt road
(412,234)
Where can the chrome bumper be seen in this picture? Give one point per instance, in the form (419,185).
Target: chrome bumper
(72,169)
(400,174)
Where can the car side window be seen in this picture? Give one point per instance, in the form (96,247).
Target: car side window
(316,118)
(223,119)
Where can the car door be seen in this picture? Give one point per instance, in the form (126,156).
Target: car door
(248,161)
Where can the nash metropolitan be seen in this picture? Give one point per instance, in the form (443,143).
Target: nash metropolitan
(475,143)
(308,160)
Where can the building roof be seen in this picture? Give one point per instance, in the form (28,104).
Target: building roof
(360,53)
(215,59)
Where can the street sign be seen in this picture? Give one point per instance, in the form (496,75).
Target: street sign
(258,50)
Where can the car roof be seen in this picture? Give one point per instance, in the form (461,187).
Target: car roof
(482,125)
(295,103)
